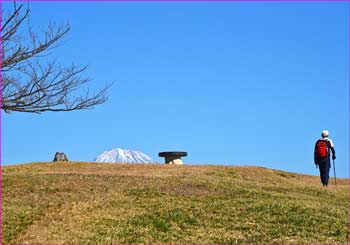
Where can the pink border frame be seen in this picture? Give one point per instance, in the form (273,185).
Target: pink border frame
(176,0)
(349,120)
(1,233)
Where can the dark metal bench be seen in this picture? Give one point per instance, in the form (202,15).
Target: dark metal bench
(173,157)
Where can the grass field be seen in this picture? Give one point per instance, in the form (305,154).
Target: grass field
(76,202)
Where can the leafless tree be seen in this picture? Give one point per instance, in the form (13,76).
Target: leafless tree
(32,83)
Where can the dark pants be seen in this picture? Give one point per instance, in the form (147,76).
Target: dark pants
(324,164)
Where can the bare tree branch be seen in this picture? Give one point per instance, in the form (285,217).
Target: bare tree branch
(30,83)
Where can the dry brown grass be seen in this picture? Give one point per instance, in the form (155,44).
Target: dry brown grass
(77,202)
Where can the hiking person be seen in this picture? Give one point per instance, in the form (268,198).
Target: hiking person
(323,147)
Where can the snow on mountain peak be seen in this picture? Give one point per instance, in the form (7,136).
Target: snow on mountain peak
(123,156)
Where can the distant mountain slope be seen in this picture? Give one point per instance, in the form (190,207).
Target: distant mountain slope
(123,156)
(100,203)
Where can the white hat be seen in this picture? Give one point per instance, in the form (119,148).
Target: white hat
(324,133)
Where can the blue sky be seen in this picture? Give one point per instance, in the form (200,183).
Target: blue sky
(230,83)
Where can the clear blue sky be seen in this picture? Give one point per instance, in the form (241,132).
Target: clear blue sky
(255,83)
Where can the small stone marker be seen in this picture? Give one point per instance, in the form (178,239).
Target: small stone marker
(173,157)
(60,156)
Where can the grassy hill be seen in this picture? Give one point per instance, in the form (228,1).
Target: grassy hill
(78,202)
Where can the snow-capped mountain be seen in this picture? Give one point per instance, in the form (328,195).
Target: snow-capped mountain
(123,156)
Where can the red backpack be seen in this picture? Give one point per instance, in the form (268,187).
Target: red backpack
(322,148)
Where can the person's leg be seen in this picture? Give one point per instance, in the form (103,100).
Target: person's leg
(327,169)
(323,172)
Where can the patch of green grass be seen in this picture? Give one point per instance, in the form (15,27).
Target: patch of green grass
(143,192)
(149,203)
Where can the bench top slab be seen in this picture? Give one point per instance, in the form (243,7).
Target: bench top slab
(172,154)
